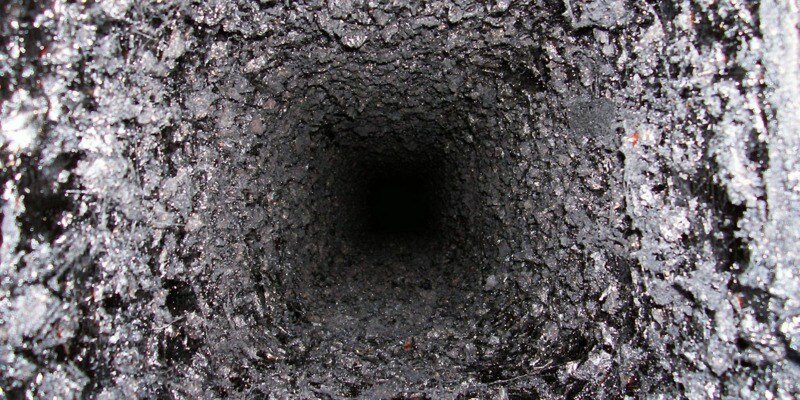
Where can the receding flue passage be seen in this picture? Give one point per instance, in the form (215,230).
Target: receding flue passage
(397,200)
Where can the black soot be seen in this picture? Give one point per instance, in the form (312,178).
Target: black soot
(389,199)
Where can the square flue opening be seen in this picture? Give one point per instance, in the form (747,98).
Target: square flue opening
(398,200)
(381,197)
(388,206)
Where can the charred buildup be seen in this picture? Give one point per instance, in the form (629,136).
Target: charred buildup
(446,199)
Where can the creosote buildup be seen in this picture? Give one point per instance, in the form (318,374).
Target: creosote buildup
(387,199)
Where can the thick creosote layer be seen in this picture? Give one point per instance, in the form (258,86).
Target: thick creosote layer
(367,199)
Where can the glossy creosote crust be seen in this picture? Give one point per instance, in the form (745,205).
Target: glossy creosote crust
(610,192)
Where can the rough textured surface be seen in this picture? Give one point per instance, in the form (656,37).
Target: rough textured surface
(617,187)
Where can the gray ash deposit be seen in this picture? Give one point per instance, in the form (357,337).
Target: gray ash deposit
(593,199)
